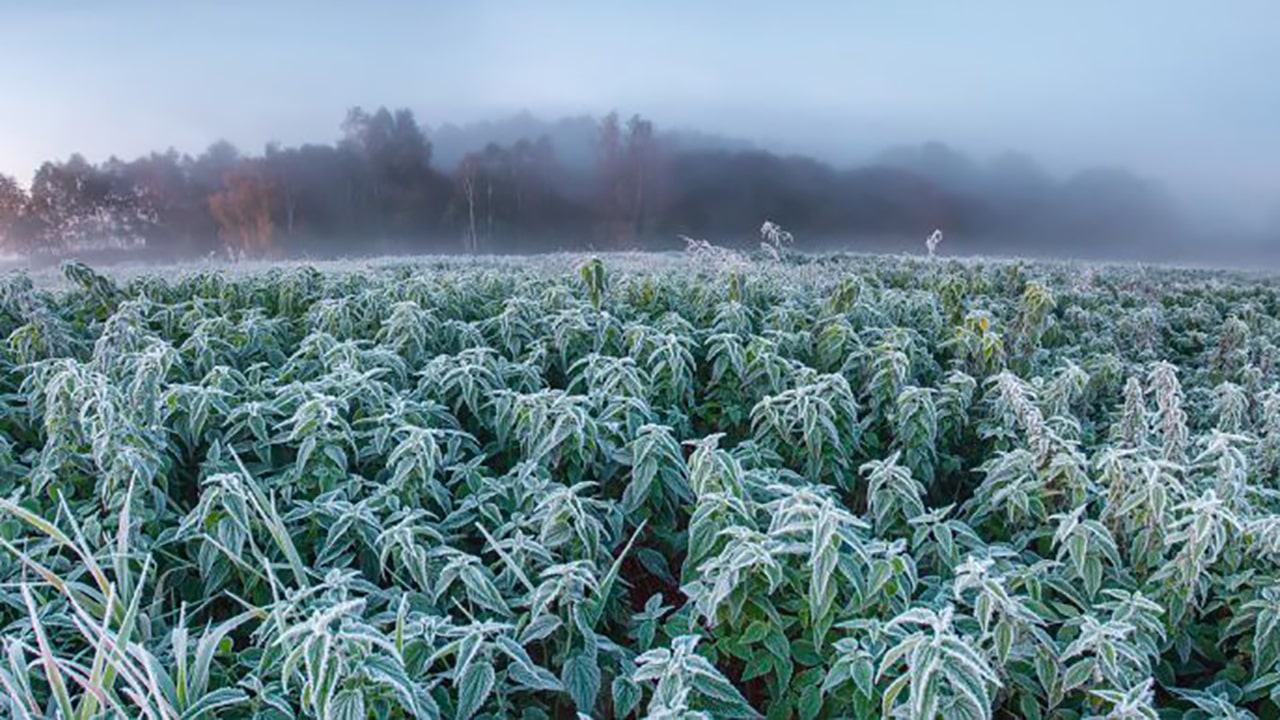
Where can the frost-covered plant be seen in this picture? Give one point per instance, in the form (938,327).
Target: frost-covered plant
(938,672)
(1170,420)
(715,484)
(931,243)
(774,240)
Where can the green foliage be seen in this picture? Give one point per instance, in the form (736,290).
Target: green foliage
(787,486)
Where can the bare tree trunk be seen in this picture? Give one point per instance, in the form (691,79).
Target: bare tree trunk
(637,212)
(469,186)
(519,184)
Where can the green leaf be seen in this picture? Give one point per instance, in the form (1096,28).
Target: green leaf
(1092,575)
(810,702)
(1029,706)
(346,705)
(1004,640)
(1078,674)
(863,673)
(891,695)
(474,688)
(52,672)
(755,632)
(717,689)
(215,700)
(656,564)
(804,652)
(777,644)
(759,666)
(581,678)
(626,696)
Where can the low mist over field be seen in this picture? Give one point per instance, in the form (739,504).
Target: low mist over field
(1142,131)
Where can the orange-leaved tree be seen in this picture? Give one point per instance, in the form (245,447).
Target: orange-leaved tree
(243,210)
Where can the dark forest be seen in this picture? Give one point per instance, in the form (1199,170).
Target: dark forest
(388,185)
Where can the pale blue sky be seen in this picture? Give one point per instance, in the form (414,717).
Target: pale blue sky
(1185,90)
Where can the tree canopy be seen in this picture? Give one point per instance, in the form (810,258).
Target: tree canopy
(607,183)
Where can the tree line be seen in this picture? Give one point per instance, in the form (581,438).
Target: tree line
(376,189)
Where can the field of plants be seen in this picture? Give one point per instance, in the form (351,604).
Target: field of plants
(701,485)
